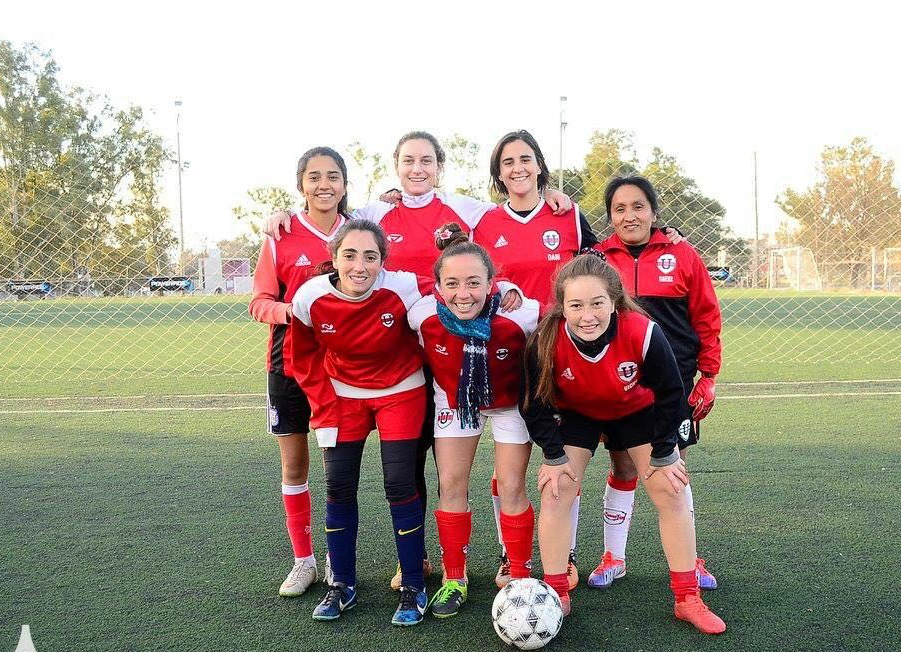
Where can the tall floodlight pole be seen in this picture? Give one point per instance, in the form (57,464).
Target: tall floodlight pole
(562,130)
(756,227)
(181,216)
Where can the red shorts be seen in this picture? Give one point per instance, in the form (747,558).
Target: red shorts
(397,417)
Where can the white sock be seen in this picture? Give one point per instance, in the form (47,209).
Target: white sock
(310,560)
(574,520)
(618,506)
(496,501)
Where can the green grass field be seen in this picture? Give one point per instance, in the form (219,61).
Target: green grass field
(140,510)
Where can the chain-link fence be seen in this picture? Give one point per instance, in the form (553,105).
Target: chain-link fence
(91,286)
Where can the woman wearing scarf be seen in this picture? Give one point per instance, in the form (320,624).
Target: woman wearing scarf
(475,352)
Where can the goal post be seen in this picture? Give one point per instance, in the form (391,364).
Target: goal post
(793,268)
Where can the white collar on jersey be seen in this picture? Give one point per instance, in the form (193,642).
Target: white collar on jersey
(418,201)
(327,237)
(524,220)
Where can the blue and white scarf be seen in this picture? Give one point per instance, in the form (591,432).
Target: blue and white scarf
(474,388)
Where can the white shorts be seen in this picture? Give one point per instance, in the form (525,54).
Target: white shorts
(507,426)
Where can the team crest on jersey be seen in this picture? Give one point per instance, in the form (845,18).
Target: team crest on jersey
(685,429)
(303,261)
(501,242)
(626,371)
(395,238)
(502,354)
(439,348)
(444,417)
(387,319)
(551,239)
(568,374)
(614,517)
(666,264)
(327,328)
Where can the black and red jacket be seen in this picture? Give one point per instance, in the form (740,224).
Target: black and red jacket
(672,284)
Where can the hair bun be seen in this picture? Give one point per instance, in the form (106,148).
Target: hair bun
(449,235)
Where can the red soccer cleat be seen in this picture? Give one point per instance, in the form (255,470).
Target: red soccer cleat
(694,611)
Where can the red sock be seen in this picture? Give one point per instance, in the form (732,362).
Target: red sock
(297,509)
(454,530)
(518,531)
(683,584)
(558,582)
(622,485)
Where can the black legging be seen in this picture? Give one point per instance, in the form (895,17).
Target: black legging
(426,441)
(342,470)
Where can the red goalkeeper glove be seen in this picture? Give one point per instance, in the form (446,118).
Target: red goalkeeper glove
(702,397)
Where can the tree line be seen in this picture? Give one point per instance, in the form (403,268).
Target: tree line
(80,189)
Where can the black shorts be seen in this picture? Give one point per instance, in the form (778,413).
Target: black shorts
(632,430)
(288,410)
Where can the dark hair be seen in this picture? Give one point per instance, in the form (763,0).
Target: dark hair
(336,157)
(327,267)
(440,157)
(544,175)
(542,343)
(451,241)
(636,180)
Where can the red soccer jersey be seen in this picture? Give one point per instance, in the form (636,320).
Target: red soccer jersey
(282,267)
(355,347)
(444,351)
(411,226)
(672,284)
(605,387)
(528,250)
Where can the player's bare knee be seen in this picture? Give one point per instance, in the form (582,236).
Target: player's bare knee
(511,488)
(453,487)
(664,496)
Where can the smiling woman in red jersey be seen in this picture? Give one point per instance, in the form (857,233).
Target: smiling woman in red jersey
(475,353)
(598,368)
(281,269)
(670,281)
(528,241)
(360,365)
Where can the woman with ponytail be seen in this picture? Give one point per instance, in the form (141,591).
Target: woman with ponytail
(475,353)
(597,369)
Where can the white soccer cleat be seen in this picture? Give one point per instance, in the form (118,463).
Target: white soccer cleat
(299,579)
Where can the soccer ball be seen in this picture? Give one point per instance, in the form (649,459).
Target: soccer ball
(527,614)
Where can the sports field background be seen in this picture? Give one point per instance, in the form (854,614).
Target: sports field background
(139,504)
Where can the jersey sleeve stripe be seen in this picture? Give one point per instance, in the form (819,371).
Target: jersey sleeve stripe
(647,339)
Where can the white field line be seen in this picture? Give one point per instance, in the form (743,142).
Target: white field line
(820,395)
(126,397)
(764,383)
(260,407)
(140,409)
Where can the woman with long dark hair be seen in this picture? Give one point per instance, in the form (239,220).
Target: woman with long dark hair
(596,368)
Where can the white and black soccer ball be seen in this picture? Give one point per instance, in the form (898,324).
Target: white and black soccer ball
(527,614)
